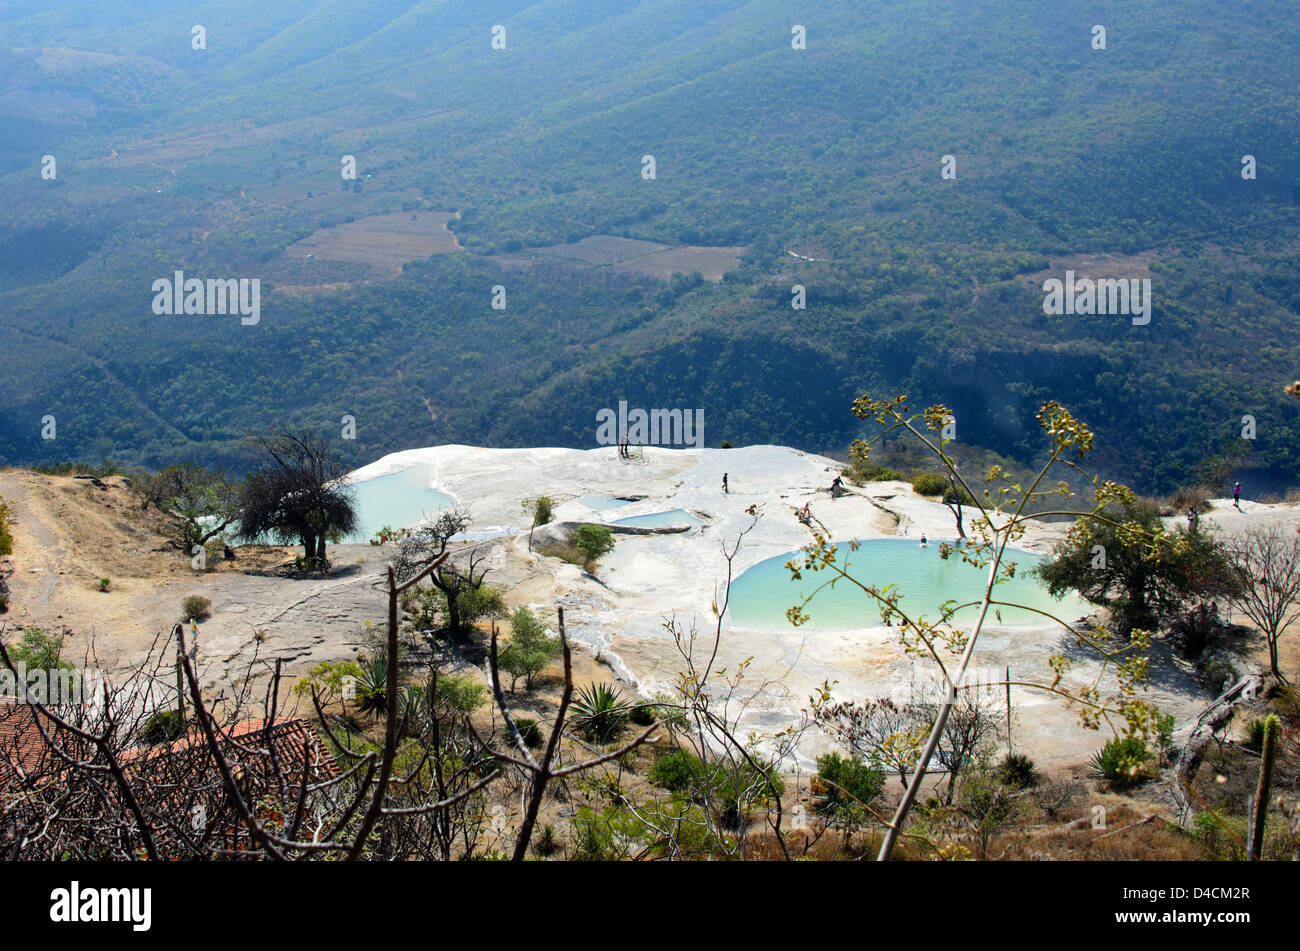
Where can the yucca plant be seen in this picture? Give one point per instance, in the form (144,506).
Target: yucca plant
(599,712)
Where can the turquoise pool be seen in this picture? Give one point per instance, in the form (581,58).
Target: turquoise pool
(601,502)
(660,519)
(762,594)
(399,499)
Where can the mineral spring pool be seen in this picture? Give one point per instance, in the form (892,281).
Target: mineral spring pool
(601,502)
(399,499)
(762,594)
(660,519)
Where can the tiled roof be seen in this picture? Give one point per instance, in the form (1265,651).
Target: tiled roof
(25,756)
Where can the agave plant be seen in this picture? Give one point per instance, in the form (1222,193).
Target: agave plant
(599,712)
(1122,761)
(413,706)
(372,692)
(1253,734)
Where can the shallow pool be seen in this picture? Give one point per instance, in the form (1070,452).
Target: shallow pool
(600,502)
(660,519)
(399,499)
(762,594)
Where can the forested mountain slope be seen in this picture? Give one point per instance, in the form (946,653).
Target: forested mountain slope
(1116,162)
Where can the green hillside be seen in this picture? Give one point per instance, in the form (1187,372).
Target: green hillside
(1117,162)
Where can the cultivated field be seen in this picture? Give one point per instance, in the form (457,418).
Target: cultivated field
(648,257)
(384,242)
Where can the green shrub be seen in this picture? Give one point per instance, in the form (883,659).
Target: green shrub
(843,787)
(39,651)
(593,541)
(862,471)
(645,714)
(732,790)
(6,537)
(1017,771)
(462,695)
(929,483)
(1253,734)
(1123,761)
(675,771)
(195,608)
(104,583)
(529,649)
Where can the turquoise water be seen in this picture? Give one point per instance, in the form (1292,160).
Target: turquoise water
(399,499)
(761,596)
(660,519)
(600,502)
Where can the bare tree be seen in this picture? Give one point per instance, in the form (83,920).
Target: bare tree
(891,735)
(426,542)
(202,502)
(1266,561)
(738,778)
(877,731)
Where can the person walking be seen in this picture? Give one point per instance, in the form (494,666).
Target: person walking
(1236,496)
(725,490)
(836,486)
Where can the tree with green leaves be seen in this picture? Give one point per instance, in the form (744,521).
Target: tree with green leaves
(529,649)
(1142,574)
(542,510)
(593,541)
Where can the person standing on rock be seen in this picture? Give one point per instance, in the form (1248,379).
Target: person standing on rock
(725,490)
(1236,496)
(837,486)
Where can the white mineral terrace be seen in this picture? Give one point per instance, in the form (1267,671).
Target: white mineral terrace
(647,578)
